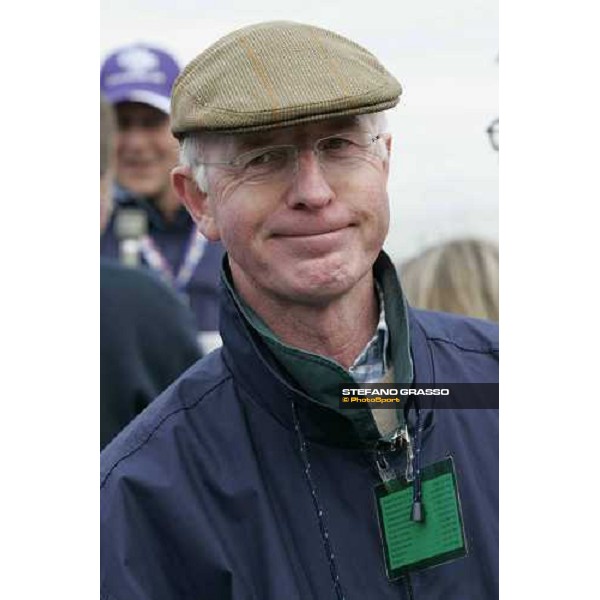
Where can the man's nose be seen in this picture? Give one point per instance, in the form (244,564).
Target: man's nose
(310,186)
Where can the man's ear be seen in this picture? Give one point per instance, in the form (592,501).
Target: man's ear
(196,202)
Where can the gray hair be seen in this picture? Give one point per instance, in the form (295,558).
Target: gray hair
(190,155)
(193,145)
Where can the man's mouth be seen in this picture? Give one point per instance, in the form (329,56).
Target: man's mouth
(307,232)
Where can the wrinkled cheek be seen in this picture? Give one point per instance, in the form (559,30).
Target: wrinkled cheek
(237,236)
(236,216)
(223,209)
(223,187)
(374,212)
(385,219)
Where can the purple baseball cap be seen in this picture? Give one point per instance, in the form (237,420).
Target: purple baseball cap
(139,73)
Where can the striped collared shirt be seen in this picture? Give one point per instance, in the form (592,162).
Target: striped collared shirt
(372,363)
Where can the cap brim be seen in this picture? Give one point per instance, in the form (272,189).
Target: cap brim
(162,103)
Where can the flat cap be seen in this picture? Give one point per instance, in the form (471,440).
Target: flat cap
(278,74)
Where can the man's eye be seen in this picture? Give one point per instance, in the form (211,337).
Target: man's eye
(336,143)
(268,158)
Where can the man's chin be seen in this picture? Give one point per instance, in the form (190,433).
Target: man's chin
(320,288)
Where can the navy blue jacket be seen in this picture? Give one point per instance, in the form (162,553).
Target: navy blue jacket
(147,339)
(206,497)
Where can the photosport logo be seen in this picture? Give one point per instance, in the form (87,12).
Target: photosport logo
(464,395)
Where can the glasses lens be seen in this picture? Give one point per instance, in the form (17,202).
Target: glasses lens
(340,151)
(265,163)
(345,148)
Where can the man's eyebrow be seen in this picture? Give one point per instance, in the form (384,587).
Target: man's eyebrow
(248,141)
(257,140)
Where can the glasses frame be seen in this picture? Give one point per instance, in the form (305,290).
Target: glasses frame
(375,137)
(493,132)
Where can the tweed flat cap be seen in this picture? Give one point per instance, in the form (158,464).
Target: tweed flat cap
(278,74)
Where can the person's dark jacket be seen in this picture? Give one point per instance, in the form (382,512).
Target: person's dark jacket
(147,339)
(172,238)
(207,495)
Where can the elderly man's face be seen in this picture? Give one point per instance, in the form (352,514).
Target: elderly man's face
(306,237)
(146,150)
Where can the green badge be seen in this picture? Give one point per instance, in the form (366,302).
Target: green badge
(408,545)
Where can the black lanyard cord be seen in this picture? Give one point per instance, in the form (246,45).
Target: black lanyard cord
(418,509)
(320,514)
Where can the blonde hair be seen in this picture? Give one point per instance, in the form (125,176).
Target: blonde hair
(458,277)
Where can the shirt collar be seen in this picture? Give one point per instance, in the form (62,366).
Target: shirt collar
(317,374)
(372,363)
(315,381)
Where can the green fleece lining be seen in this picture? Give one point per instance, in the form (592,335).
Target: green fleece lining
(319,376)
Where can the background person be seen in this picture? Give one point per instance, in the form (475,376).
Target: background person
(147,334)
(460,277)
(148,216)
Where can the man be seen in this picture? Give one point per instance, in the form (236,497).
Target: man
(147,334)
(137,80)
(247,479)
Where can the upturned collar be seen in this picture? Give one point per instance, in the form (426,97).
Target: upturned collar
(276,375)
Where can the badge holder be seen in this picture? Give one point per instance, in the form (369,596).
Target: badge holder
(420,517)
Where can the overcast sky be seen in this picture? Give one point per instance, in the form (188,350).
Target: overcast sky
(444,181)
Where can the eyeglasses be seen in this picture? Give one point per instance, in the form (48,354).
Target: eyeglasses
(336,155)
(493,132)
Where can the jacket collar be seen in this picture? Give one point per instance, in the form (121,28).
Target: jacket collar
(266,382)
